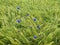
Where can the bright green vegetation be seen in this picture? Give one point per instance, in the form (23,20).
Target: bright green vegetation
(47,14)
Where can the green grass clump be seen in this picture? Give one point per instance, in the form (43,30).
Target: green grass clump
(29,22)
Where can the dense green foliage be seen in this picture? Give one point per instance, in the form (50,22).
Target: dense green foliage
(29,22)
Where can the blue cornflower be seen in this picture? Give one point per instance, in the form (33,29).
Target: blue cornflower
(18,21)
(18,7)
(34,19)
(35,37)
(38,26)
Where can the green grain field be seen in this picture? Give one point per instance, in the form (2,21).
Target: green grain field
(29,22)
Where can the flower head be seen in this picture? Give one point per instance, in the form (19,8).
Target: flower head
(35,37)
(38,26)
(30,26)
(18,21)
(27,14)
(18,30)
(18,7)
(34,19)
